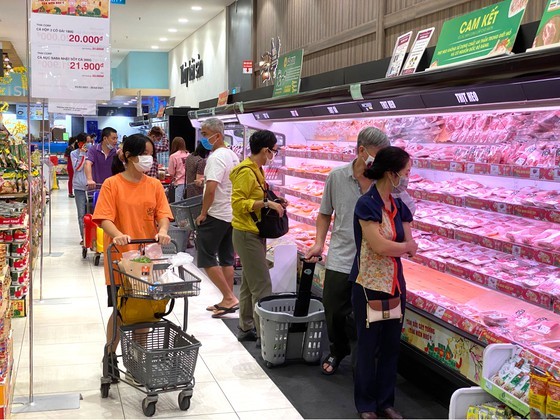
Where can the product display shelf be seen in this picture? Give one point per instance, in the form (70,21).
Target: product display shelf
(462,305)
(545,256)
(307,154)
(543,298)
(492,205)
(524,172)
(316,176)
(298,194)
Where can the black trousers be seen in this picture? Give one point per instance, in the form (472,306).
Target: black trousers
(337,301)
(376,357)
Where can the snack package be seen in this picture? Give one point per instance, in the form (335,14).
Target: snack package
(537,393)
(553,400)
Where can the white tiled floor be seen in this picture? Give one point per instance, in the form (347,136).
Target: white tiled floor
(69,336)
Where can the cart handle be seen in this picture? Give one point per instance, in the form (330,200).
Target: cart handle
(143,241)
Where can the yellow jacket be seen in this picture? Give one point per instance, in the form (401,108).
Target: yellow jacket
(245,191)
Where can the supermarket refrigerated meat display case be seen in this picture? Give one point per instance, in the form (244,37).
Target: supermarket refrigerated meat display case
(485,143)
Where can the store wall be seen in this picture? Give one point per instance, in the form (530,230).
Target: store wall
(337,34)
(210,42)
(240,43)
(142,70)
(121,124)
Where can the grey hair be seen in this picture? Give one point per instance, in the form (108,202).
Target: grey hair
(214,124)
(371,136)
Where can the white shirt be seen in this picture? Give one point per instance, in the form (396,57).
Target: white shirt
(218,167)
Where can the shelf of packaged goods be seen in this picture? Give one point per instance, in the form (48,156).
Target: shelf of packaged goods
(446,297)
(545,256)
(524,172)
(14,196)
(316,176)
(319,155)
(544,295)
(521,210)
(283,190)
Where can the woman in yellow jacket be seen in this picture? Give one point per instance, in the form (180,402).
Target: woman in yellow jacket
(248,197)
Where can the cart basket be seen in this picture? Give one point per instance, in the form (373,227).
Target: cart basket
(159,355)
(186,211)
(278,342)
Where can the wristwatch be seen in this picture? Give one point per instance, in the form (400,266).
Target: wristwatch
(265,201)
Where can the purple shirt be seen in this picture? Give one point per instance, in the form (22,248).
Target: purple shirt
(101,165)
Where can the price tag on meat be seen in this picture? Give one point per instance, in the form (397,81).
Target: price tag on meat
(470,168)
(70,72)
(535,173)
(494,170)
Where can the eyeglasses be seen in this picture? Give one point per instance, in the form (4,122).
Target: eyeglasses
(273,151)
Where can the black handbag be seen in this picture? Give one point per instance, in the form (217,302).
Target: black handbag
(171,193)
(271,224)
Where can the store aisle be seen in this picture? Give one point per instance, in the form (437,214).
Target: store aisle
(69,337)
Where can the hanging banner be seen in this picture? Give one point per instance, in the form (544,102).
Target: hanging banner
(73,108)
(548,34)
(70,49)
(399,52)
(288,74)
(487,32)
(417,51)
(446,347)
(35,114)
(14,83)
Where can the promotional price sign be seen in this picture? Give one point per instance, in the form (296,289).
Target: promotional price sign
(401,46)
(72,73)
(548,34)
(70,49)
(288,74)
(484,33)
(417,51)
(73,108)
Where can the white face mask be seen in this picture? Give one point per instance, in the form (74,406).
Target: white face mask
(110,146)
(144,163)
(402,185)
(369,160)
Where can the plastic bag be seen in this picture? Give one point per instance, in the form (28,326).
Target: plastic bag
(154,251)
(181,258)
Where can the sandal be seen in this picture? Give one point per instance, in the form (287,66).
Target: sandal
(221,311)
(213,308)
(332,362)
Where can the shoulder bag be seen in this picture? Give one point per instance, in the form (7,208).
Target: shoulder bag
(271,224)
(382,309)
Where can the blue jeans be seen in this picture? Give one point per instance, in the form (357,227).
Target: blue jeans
(81,205)
(179,190)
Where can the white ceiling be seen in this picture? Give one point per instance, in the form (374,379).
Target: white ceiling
(135,26)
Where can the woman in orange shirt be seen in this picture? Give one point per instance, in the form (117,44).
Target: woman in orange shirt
(131,205)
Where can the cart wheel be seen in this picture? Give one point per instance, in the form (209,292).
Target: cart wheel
(269,365)
(84,252)
(148,408)
(96,260)
(105,390)
(184,401)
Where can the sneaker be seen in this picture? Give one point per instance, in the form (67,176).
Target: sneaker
(249,335)
(70,195)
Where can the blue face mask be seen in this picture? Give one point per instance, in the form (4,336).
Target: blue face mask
(206,142)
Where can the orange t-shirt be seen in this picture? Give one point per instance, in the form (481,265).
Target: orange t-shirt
(134,208)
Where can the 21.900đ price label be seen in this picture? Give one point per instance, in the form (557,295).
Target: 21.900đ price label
(76,65)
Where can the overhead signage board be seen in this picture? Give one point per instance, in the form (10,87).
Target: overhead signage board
(36,113)
(417,51)
(399,52)
(487,32)
(548,34)
(70,50)
(288,74)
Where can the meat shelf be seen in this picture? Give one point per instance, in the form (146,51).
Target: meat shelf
(543,294)
(463,305)
(521,210)
(283,190)
(431,225)
(316,176)
(524,172)
(310,154)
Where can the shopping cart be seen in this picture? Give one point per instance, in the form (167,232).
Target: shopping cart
(292,325)
(93,234)
(158,356)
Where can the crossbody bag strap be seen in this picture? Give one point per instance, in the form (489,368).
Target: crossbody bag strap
(252,213)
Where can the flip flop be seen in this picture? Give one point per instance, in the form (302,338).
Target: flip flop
(331,361)
(221,311)
(213,308)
